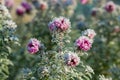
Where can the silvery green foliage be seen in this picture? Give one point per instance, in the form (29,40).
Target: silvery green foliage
(7,37)
(102,77)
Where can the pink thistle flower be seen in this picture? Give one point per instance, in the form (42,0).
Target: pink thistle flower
(84,1)
(110,6)
(27,6)
(20,11)
(83,43)
(90,33)
(94,12)
(116,29)
(33,46)
(9,3)
(60,23)
(71,59)
(43,6)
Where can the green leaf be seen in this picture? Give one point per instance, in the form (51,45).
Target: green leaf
(86,77)
(9,49)
(5,69)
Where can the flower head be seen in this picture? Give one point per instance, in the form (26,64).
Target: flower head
(27,6)
(90,33)
(43,5)
(110,6)
(71,59)
(94,12)
(84,1)
(83,43)
(116,29)
(20,10)
(9,3)
(60,23)
(33,46)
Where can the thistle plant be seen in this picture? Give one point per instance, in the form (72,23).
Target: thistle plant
(107,29)
(104,18)
(64,62)
(31,17)
(7,37)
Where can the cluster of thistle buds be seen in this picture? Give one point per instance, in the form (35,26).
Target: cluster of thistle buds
(85,41)
(61,25)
